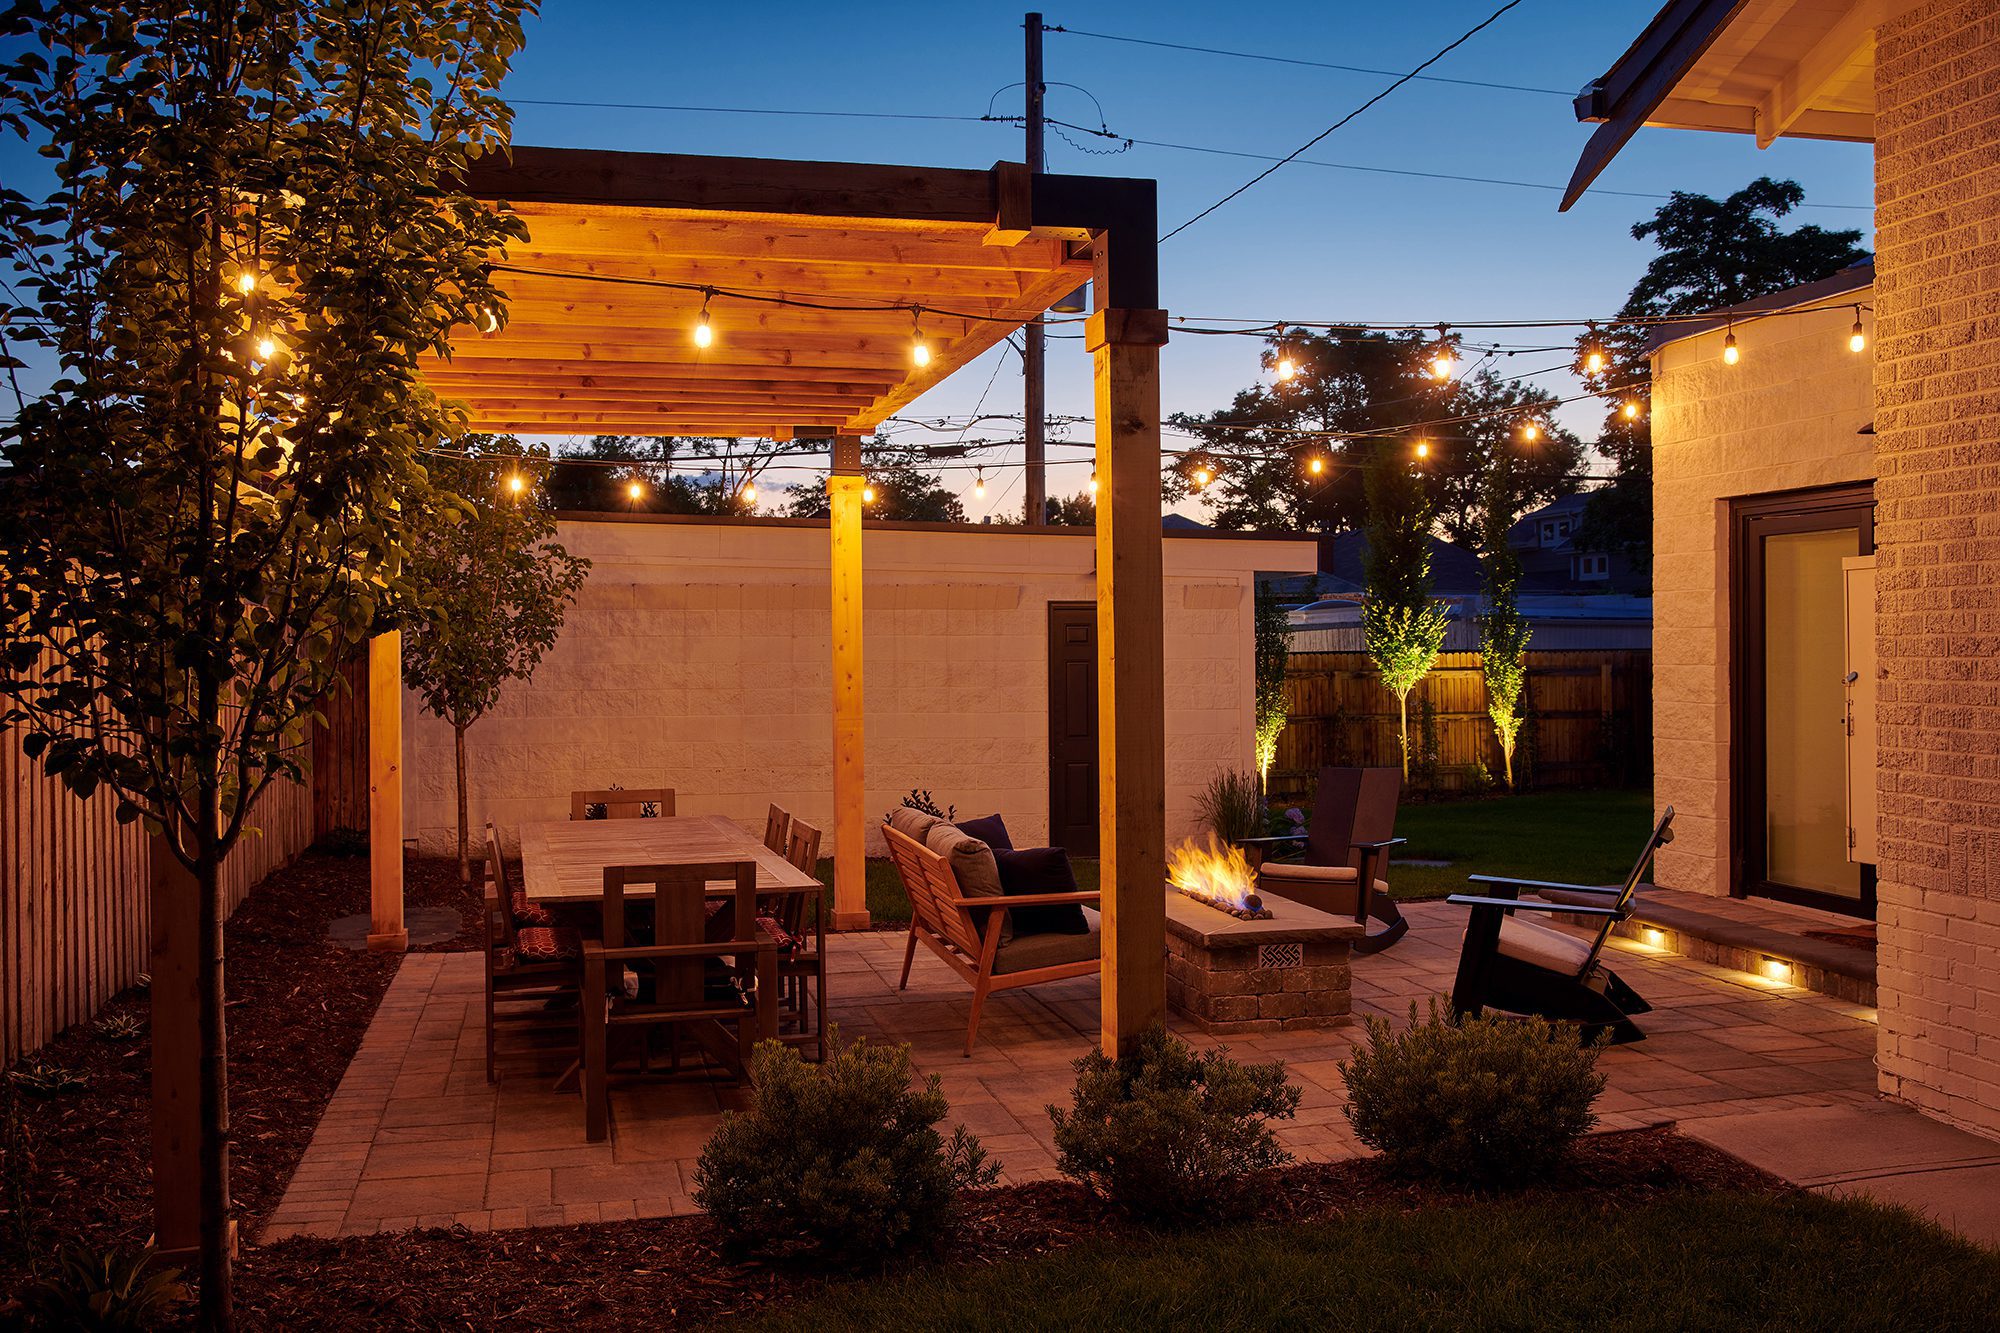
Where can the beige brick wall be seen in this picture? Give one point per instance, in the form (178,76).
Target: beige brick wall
(1937,166)
(697,657)
(1786,417)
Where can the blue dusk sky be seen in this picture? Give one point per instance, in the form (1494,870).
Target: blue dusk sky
(1312,242)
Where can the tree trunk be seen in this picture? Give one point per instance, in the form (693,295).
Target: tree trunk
(1507,762)
(217,1298)
(1403,722)
(464,829)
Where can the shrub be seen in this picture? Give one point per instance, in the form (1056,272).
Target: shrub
(1233,805)
(1170,1135)
(1486,1100)
(112,1290)
(840,1159)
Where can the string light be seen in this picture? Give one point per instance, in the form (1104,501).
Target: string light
(1287,368)
(1316,465)
(920,351)
(867,495)
(749,492)
(517,483)
(1530,431)
(485,319)
(1593,352)
(979,483)
(1203,474)
(1729,353)
(1093,483)
(1857,341)
(246,281)
(704,332)
(1423,448)
(267,348)
(1441,359)
(1630,409)
(635,490)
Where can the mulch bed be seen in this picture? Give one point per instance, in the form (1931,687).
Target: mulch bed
(75,1161)
(675,1272)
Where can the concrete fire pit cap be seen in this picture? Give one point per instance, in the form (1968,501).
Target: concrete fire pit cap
(1289,922)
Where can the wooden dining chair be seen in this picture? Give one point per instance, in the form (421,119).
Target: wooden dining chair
(777,829)
(622,803)
(528,962)
(723,993)
(801,955)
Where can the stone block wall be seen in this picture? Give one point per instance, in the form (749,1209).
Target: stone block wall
(698,657)
(1788,416)
(1937,165)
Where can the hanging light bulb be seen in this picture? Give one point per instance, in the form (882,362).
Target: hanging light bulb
(867,495)
(1442,359)
(979,484)
(246,281)
(1423,448)
(485,319)
(1729,353)
(1630,409)
(1593,352)
(704,333)
(1202,475)
(1857,341)
(267,347)
(517,483)
(635,490)
(1093,483)
(1287,369)
(749,492)
(1530,431)
(920,351)
(1316,465)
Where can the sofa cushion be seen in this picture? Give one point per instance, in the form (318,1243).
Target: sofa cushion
(1029,952)
(1543,946)
(1040,870)
(912,824)
(971,863)
(989,829)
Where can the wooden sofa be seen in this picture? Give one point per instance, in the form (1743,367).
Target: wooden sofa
(966,931)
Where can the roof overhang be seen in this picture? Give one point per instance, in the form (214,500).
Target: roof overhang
(809,270)
(1769,68)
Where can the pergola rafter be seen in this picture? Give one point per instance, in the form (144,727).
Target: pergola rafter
(809,271)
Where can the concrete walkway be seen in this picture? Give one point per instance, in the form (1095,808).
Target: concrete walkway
(1878,1150)
(416,1136)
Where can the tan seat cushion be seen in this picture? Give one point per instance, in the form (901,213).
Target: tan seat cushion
(1047,950)
(1544,946)
(1318,874)
(972,865)
(912,824)
(1324,888)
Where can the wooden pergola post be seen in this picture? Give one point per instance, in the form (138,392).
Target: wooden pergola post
(1131,699)
(850,830)
(386,931)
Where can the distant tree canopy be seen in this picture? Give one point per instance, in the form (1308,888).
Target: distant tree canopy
(904,493)
(677,474)
(1713,254)
(1077,511)
(1356,384)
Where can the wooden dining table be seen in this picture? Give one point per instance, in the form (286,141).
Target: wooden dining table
(563,860)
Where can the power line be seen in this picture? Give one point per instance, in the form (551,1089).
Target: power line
(1468,36)
(745,110)
(1310,64)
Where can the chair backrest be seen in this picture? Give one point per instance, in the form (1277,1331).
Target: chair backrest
(802,847)
(1663,833)
(931,887)
(496,870)
(1375,804)
(679,917)
(777,828)
(622,803)
(1330,835)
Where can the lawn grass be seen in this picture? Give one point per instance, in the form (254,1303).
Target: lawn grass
(1585,837)
(1702,1261)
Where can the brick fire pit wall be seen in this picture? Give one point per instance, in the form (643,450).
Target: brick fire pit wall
(1258,976)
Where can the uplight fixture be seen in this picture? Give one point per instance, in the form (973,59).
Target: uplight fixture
(1777,969)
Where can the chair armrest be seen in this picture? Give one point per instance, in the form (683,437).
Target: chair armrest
(990,900)
(1273,838)
(1514,904)
(1543,884)
(1378,846)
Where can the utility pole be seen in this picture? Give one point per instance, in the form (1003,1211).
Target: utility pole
(1034,355)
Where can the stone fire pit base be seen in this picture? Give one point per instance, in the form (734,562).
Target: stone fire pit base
(1258,976)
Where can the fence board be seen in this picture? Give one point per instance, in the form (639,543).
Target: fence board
(1592,719)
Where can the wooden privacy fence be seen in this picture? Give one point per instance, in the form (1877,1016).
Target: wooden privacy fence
(1589,720)
(75,902)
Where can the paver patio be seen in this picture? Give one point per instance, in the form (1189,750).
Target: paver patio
(415,1136)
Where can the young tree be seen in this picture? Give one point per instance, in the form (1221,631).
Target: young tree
(254,230)
(1503,634)
(1402,625)
(1353,384)
(492,589)
(1713,253)
(1273,655)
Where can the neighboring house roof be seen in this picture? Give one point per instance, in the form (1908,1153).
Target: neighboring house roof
(1524,531)
(1343,565)
(1174,522)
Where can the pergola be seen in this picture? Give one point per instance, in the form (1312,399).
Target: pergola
(817,278)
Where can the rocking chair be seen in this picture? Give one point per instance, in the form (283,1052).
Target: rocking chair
(1346,860)
(1510,963)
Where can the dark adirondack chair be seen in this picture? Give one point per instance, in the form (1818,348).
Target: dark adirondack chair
(1346,846)
(1510,963)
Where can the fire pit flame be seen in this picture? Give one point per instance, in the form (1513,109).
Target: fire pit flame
(1219,876)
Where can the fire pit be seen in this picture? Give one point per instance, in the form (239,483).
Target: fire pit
(1236,964)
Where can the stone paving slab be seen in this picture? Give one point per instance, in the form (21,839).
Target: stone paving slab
(416,1136)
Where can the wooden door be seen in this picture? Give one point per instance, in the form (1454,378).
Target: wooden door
(1073,727)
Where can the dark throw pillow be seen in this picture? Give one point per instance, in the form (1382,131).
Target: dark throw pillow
(991,830)
(1040,870)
